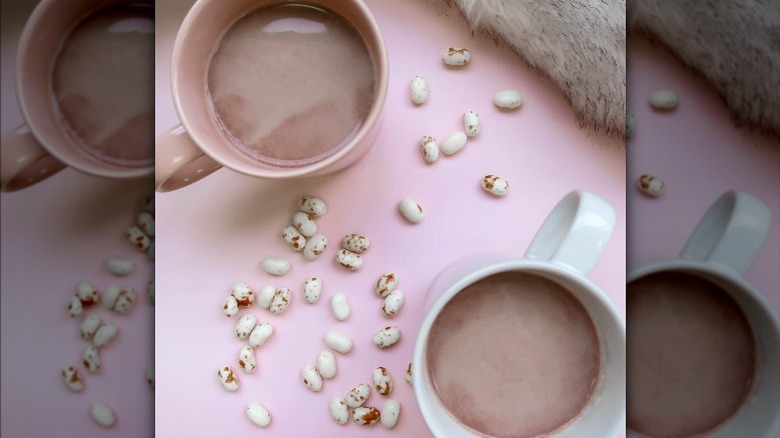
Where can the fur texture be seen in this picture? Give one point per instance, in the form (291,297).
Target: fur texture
(735,45)
(579,44)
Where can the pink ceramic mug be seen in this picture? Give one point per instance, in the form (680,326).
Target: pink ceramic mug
(197,148)
(42,147)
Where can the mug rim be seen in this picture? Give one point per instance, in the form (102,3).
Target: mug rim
(512,264)
(682,265)
(381,67)
(38,127)
(736,284)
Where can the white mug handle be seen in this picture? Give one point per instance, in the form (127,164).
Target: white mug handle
(730,233)
(575,233)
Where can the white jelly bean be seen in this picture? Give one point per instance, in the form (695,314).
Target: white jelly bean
(74,307)
(338,410)
(89,326)
(392,304)
(365,415)
(312,378)
(280,301)
(230,308)
(429,149)
(145,221)
(275,266)
(408,374)
(109,296)
(383,381)
(245,325)
(313,206)
(338,342)
(386,337)
(339,306)
(358,395)
(88,295)
(72,379)
(150,375)
(124,301)
(386,284)
(663,100)
(410,210)
(120,266)
(150,291)
(471,123)
(326,364)
(418,90)
(349,260)
(390,412)
(456,56)
(102,414)
(293,238)
(455,142)
(312,289)
(304,223)
(91,359)
(246,359)
(356,243)
(495,185)
(650,185)
(104,334)
(137,237)
(507,99)
(260,334)
(228,378)
(314,247)
(258,414)
(265,295)
(630,125)
(244,294)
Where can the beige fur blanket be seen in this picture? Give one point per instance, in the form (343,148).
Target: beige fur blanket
(580,45)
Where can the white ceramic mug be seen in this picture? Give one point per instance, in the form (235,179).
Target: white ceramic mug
(564,250)
(721,249)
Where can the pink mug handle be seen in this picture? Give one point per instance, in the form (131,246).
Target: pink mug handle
(24,161)
(179,162)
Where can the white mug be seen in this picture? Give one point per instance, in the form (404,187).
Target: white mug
(564,250)
(721,249)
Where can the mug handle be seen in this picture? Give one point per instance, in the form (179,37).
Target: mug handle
(24,162)
(179,162)
(575,233)
(730,233)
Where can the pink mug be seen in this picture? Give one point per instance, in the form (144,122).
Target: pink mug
(43,146)
(197,148)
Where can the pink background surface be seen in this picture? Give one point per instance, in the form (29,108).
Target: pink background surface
(55,235)
(699,153)
(60,231)
(215,232)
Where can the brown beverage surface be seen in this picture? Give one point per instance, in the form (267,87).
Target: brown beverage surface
(514,355)
(103,84)
(290,83)
(691,355)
